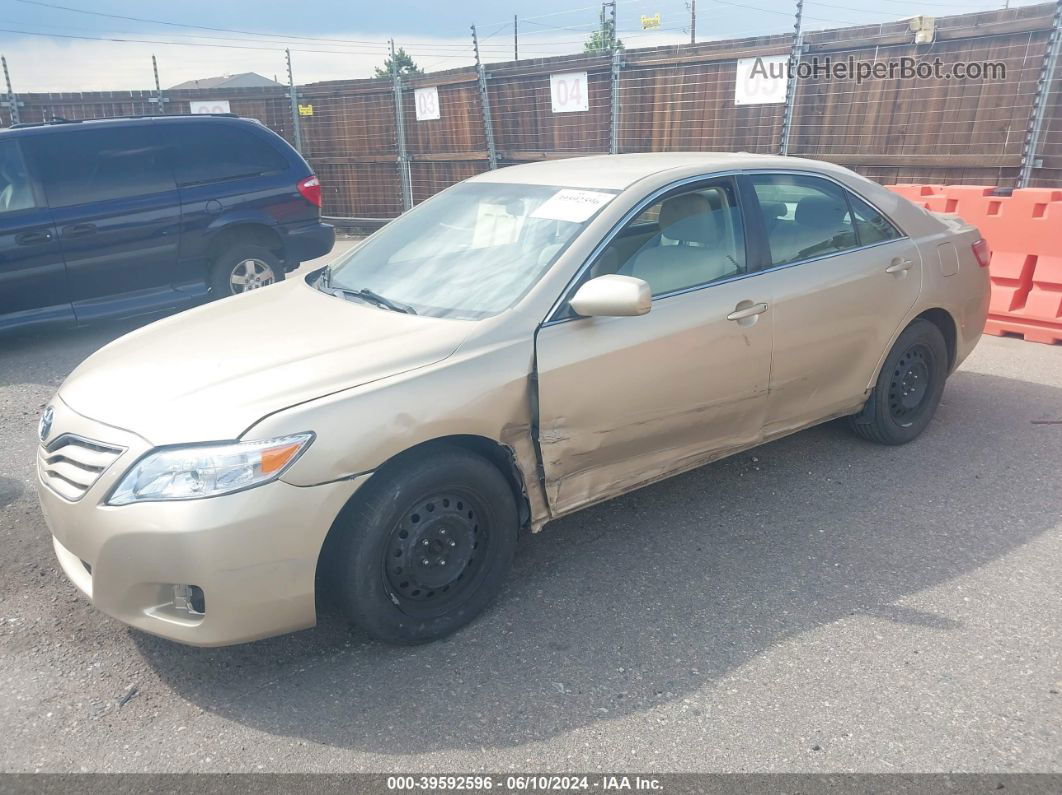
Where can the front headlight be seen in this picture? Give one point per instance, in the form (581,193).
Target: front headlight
(197,471)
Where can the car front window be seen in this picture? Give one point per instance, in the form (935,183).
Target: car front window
(470,252)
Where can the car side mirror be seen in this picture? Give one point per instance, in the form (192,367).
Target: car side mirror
(613,295)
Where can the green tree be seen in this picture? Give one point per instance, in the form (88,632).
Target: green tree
(403,61)
(603,40)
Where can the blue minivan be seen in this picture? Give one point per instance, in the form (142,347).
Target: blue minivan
(119,217)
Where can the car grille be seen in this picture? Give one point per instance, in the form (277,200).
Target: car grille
(71,465)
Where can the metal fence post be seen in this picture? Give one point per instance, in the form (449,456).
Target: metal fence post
(159,98)
(484,104)
(12,101)
(1029,160)
(293,96)
(400,134)
(791,84)
(613,137)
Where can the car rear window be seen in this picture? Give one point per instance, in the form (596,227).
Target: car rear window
(217,152)
(805,217)
(82,166)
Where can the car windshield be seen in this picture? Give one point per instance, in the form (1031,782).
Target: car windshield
(469,253)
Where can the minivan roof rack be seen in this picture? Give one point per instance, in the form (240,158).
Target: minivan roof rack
(54,120)
(61,120)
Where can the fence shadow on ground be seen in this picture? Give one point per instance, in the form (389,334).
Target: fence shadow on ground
(656,595)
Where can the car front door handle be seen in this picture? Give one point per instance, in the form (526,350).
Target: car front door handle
(79,230)
(33,238)
(748,311)
(899,265)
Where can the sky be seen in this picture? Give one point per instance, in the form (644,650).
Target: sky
(91,45)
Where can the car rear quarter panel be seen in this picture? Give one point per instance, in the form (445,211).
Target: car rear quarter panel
(956,282)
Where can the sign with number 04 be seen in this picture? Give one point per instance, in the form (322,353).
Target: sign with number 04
(568,92)
(427,103)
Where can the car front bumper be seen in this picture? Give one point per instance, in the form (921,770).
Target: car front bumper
(253,553)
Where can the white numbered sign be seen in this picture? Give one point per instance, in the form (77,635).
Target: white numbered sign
(210,106)
(427,103)
(760,81)
(568,91)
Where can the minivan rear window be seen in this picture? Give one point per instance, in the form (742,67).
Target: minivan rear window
(218,152)
(82,166)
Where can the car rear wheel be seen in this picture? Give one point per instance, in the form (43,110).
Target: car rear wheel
(908,388)
(242,267)
(426,547)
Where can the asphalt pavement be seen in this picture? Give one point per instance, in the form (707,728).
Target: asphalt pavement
(817,604)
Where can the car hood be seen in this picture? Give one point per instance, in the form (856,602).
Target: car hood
(212,372)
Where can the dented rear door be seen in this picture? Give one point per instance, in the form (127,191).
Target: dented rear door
(624,401)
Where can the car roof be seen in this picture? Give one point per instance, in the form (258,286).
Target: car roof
(33,128)
(617,172)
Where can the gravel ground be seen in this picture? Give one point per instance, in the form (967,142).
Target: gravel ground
(819,604)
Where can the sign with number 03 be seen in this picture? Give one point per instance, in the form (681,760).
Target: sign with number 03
(427,103)
(760,81)
(568,91)
(210,106)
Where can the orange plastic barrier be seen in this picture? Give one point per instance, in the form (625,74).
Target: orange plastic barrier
(1024,232)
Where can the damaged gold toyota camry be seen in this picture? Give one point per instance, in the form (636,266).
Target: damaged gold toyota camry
(524,344)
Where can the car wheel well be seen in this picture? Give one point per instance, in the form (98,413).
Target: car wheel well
(500,456)
(253,234)
(943,320)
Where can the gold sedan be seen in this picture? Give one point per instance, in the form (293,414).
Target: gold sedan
(526,343)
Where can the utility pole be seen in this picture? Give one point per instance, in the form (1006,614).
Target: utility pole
(159,99)
(693,21)
(790,88)
(516,40)
(12,100)
(294,104)
(484,104)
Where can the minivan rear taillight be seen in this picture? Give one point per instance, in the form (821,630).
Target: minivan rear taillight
(980,250)
(310,189)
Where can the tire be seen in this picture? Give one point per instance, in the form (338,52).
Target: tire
(426,548)
(908,388)
(244,261)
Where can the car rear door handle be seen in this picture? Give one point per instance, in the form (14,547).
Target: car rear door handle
(899,265)
(33,238)
(79,230)
(748,311)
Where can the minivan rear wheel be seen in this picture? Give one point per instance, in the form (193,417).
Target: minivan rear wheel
(908,388)
(244,267)
(425,547)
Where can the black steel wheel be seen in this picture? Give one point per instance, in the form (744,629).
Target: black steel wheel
(424,546)
(908,388)
(910,384)
(437,553)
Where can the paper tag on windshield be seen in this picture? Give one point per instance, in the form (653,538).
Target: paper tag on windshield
(572,205)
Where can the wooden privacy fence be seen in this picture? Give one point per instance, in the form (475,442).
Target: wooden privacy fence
(381,145)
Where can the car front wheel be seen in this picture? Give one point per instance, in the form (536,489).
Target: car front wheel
(908,388)
(426,547)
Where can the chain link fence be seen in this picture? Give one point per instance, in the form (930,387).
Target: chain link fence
(382,145)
